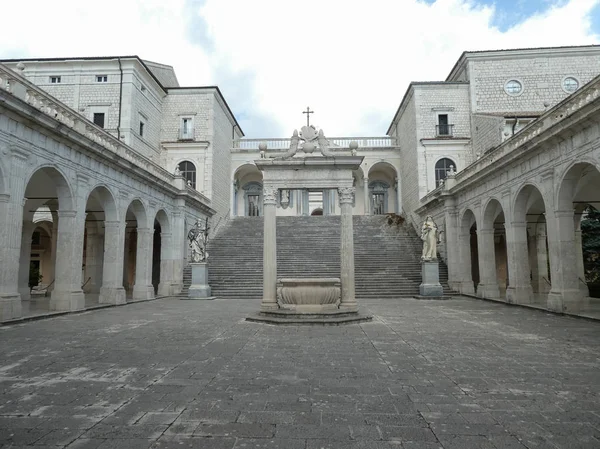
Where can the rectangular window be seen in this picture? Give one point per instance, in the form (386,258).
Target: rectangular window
(186,130)
(443,128)
(102,79)
(55,79)
(99,119)
(141,129)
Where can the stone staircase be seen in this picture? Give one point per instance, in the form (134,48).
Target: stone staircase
(387,258)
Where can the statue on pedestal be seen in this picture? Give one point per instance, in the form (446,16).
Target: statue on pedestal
(429,235)
(198,240)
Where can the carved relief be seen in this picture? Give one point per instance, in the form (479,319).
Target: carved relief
(346,195)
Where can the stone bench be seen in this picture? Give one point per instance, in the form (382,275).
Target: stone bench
(309,295)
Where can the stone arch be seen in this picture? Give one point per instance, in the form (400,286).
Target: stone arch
(469,256)
(48,184)
(247,190)
(579,188)
(45,176)
(137,266)
(162,263)
(528,257)
(382,178)
(493,251)
(101,246)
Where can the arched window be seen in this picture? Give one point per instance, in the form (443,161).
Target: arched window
(442,167)
(188,171)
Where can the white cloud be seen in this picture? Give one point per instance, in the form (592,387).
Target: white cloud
(350,61)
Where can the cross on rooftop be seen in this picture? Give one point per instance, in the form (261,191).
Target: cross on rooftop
(308,112)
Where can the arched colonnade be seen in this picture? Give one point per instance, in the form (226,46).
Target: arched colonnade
(525,244)
(87,239)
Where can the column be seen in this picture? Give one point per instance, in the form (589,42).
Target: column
(233,199)
(10,223)
(54,238)
(346,197)
(565,295)
(465,274)
(519,289)
(398,197)
(93,259)
(451,241)
(143,288)
(25,259)
(269,301)
(366,194)
(488,281)
(540,254)
(166,265)
(112,291)
(580,266)
(67,293)
(178,248)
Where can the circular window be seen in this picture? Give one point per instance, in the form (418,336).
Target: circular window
(513,87)
(570,84)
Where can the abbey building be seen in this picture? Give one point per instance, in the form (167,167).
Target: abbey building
(106,163)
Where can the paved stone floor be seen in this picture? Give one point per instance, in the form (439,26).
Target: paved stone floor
(456,374)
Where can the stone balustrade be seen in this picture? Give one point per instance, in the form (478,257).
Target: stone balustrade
(335,142)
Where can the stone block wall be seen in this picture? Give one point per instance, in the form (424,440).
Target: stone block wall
(191,102)
(541,75)
(406,132)
(486,132)
(443,98)
(221,160)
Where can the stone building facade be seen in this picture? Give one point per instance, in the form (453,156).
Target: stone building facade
(122,160)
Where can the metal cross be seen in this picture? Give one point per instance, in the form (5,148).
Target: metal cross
(308,112)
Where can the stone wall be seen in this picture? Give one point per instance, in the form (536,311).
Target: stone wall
(190,102)
(443,98)
(406,132)
(486,132)
(541,75)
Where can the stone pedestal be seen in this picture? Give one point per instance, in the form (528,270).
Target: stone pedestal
(199,288)
(430,287)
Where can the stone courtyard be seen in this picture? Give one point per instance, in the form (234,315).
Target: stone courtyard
(455,374)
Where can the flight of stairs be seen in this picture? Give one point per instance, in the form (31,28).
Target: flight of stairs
(387,258)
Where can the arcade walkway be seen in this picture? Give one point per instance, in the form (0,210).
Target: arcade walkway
(451,374)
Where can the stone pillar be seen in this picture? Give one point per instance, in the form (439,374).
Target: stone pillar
(112,291)
(10,248)
(269,300)
(346,197)
(540,255)
(177,249)
(488,281)
(367,199)
(233,200)
(398,197)
(25,259)
(166,265)
(565,295)
(93,259)
(519,289)
(465,274)
(67,293)
(143,288)
(580,266)
(54,240)
(451,242)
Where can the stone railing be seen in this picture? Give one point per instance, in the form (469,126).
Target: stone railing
(18,86)
(335,142)
(575,102)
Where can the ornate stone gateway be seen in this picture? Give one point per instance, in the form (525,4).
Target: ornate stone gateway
(308,300)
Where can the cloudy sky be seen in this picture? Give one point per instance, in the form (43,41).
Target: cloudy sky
(350,61)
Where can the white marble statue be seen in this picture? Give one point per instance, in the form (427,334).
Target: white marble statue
(429,235)
(198,240)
